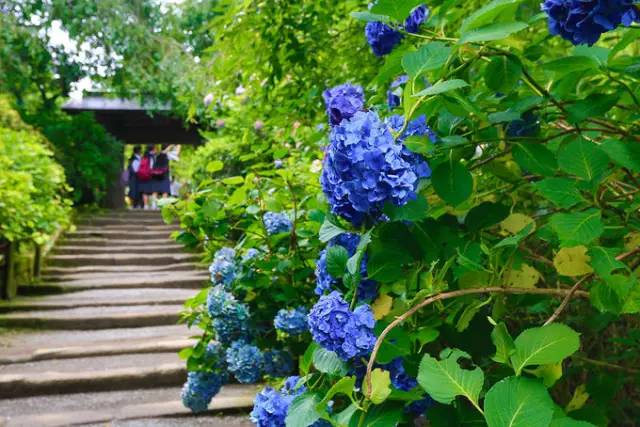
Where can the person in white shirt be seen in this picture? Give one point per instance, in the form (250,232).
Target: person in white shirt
(134,191)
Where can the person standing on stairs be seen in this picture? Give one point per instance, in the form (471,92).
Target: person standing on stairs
(145,175)
(134,164)
(161,173)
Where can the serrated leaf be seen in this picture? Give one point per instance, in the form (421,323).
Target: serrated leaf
(488,14)
(367,16)
(561,192)
(503,342)
(524,276)
(578,228)
(518,402)
(515,222)
(452,182)
(329,230)
(535,158)
(583,159)
(328,362)
(502,74)
(396,9)
(345,385)
(544,345)
(337,257)
(572,261)
(442,87)
(430,56)
(485,215)
(492,32)
(549,374)
(569,422)
(414,210)
(516,238)
(444,379)
(302,411)
(626,154)
(570,64)
(594,105)
(603,260)
(380,386)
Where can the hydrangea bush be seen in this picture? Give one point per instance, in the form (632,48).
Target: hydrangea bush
(464,253)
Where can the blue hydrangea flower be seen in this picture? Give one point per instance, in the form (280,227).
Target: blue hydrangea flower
(336,328)
(584,21)
(276,222)
(393,94)
(250,254)
(528,125)
(367,289)
(215,356)
(416,18)
(277,363)
(217,299)
(364,168)
(199,389)
(223,267)
(245,362)
(270,407)
(233,323)
(399,377)
(381,37)
(416,127)
(419,407)
(343,101)
(292,321)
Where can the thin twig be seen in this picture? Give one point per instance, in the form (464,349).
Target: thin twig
(577,285)
(448,295)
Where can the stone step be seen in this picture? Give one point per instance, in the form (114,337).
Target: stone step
(179,280)
(102,241)
(154,407)
(52,273)
(117,234)
(113,348)
(24,343)
(94,317)
(99,297)
(148,228)
(123,372)
(112,249)
(104,220)
(120,259)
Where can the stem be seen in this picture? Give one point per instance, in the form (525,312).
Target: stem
(453,294)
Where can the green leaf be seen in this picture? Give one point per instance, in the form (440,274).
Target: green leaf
(367,16)
(419,144)
(344,417)
(594,105)
(570,64)
(578,228)
(452,182)
(214,166)
(504,343)
(430,56)
(603,260)
(345,385)
(442,87)
(302,411)
(502,73)
(485,215)
(562,192)
(307,358)
(516,238)
(233,180)
(386,415)
(444,379)
(329,230)
(489,13)
(337,257)
(626,154)
(612,294)
(518,402)
(328,362)
(492,32)
(535,158)
(569,422)
(414,210)
(544,345)
(396,9)
(583,159)
(380,386)
(503,116)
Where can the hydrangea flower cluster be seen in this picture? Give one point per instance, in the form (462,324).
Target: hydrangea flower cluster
(399,377)
(292,321)
(199,389)
(215,356)
(336,328)
(382,38)
(416,127)
(276,222)
(270,407)
(245,362)
(367,289)
(584,21)
(528,125)
(250,254)
(223,267)
(230,318)
(393,94)
(277,363)
(342,102)
(364,168)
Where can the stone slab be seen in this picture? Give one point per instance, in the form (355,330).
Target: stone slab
(111,249)
(139,259)
(62,273)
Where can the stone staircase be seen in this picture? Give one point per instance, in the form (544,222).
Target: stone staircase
(96,341)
